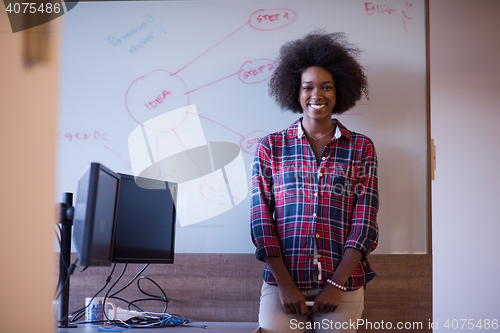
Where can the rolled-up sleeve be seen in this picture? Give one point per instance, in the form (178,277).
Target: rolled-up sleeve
(262,204)
(363,233)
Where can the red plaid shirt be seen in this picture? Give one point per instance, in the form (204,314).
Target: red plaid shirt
(295,203)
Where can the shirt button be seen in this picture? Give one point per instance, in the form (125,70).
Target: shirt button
(319,256)
(320,174)
(314,214)
(323,158)
(317,235)
(315,194)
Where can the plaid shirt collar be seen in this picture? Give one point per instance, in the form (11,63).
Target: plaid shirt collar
(296,130)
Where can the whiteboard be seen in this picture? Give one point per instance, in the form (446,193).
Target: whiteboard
(215,57)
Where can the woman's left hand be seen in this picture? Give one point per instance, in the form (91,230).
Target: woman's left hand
(327,300)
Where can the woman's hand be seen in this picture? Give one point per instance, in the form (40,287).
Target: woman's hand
(292,299)
(328,299)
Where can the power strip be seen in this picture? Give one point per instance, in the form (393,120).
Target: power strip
(124,314)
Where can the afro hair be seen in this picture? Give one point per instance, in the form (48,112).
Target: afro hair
(330,51)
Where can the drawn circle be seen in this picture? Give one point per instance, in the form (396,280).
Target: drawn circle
(256,71)
(249,143)
(155,94)
(272,19)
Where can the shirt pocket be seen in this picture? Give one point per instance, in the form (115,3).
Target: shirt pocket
(342,179)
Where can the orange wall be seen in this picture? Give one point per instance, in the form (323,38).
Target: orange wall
(28,116)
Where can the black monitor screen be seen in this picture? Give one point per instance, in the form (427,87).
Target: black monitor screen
(95,215)
(145,221)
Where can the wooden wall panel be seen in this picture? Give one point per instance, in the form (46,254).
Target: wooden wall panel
(226,287)
(401,291)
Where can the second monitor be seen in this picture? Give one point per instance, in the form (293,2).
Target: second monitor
(145,221)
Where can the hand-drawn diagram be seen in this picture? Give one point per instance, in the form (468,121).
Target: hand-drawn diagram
(211,61)
(169,142)
(164,90)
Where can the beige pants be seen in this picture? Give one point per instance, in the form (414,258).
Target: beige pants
(273,318)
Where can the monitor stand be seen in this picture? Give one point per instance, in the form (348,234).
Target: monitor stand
(66,211)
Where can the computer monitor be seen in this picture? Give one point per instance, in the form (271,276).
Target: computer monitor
(94,217)
(145,221)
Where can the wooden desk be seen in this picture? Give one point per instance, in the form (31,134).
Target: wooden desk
(219,327)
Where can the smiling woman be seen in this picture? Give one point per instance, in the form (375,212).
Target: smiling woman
(316,236)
